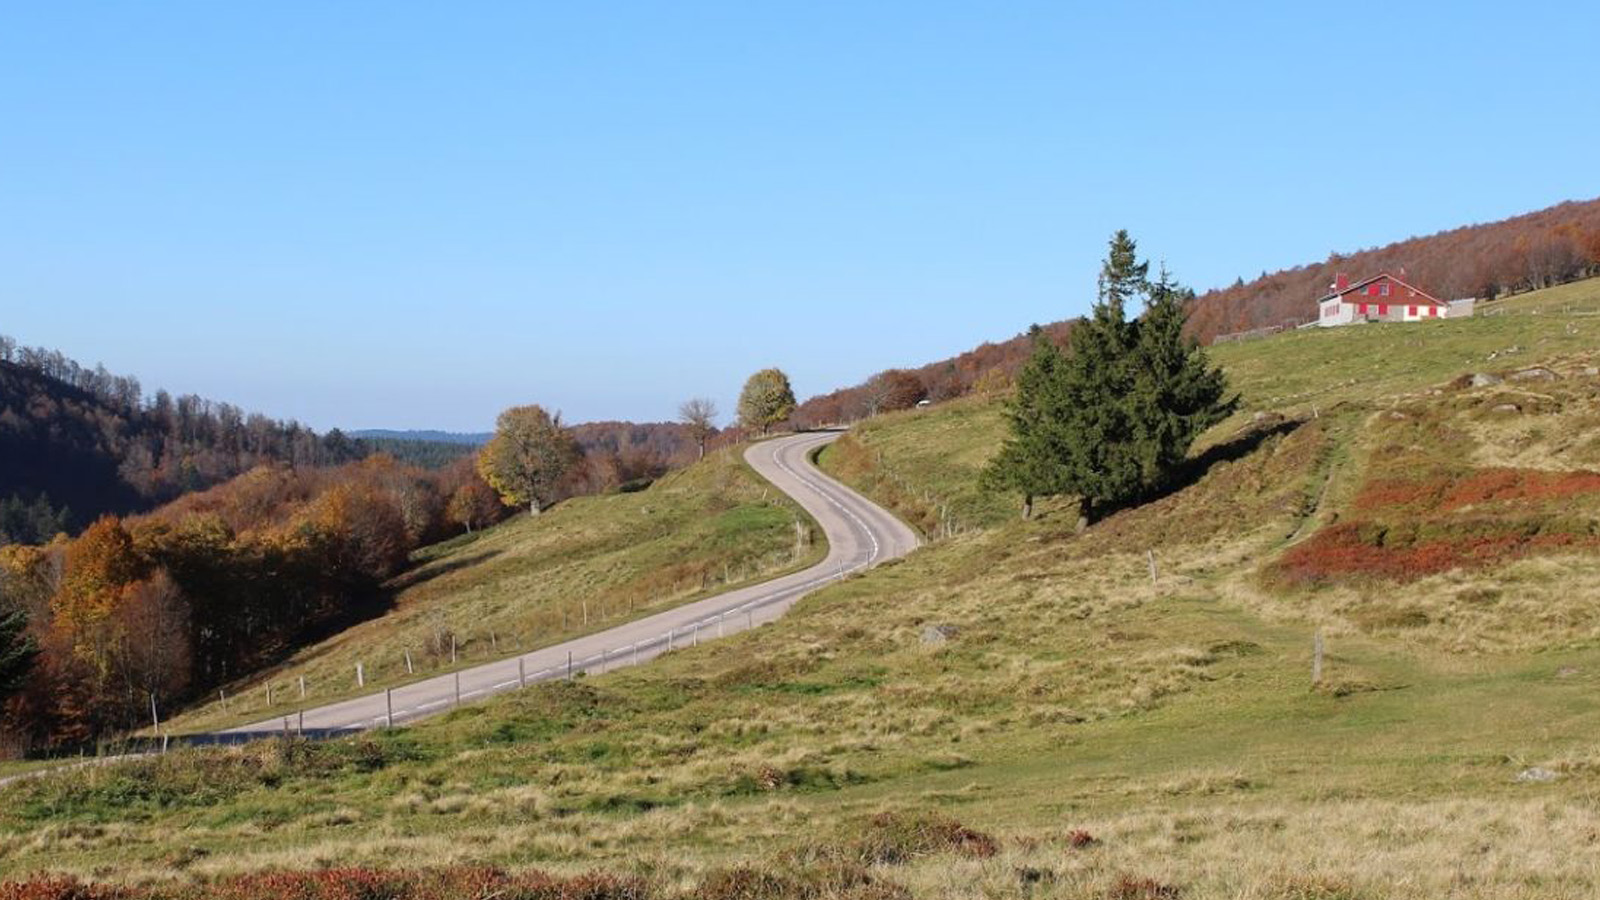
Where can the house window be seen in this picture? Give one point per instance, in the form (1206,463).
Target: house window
(1363,309)
(1413,312)
(1372,290)
(1383,289)
(1383,309)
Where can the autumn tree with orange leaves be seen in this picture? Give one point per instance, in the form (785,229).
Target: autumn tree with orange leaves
(473,503)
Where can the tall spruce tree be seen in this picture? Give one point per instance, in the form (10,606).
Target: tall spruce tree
(17,649)
(1177,394)
(1096,426)
(1122,276)
(1112,419)
(1028,461)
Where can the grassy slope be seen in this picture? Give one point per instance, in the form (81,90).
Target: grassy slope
(528,582)
(924,462)
(1172,721)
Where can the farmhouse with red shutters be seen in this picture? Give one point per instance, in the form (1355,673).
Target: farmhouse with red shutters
(1383,298)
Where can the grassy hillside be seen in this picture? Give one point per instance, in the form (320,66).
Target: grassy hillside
(1076,728)
(924,462)
(587,564)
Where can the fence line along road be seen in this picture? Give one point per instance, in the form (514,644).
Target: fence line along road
(860,535)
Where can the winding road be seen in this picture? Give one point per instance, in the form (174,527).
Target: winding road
(860,535)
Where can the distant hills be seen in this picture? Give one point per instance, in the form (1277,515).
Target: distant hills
(640,446)
(471,439)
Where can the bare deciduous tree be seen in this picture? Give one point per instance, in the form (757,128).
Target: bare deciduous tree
(700,414)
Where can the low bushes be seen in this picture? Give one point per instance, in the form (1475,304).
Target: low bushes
(1409,528)
(350,884)
(196,777)
(896,838)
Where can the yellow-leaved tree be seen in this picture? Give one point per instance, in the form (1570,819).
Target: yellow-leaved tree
(530,451)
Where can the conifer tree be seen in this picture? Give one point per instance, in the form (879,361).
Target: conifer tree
(1096,426)
(1122,276)
(1028,461)
(17,649)
(1176,393)
(1112,419)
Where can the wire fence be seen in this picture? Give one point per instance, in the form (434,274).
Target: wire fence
(948,519)
(413,700)
(449,648)
(1258,333)
(1566,309)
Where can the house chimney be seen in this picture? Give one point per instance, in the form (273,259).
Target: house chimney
(1341,283)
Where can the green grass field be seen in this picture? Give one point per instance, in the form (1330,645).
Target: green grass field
(1118,735)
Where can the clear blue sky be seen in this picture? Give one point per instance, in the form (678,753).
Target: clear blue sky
(413,215)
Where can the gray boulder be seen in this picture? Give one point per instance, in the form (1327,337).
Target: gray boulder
(1484,379)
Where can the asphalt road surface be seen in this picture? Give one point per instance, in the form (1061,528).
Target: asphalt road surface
(860,535)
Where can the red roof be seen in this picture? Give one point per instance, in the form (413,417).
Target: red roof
(1422,296)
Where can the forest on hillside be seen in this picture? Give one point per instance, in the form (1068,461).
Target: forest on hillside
(1524,253)
(219,583)
(78,442)
(162,607)
(213,542)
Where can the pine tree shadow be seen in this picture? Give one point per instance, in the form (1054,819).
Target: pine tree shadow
(425,573)
(1243,443)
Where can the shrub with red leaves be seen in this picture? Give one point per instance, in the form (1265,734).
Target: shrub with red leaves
(1412,527)
(1356,550)
(457,883)
(52,888)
